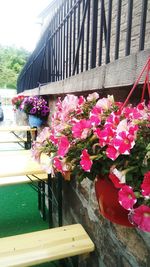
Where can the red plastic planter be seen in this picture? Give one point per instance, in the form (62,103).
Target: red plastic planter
(107,197)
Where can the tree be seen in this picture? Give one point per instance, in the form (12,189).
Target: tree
(12,60)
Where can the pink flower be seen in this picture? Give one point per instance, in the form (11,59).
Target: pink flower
(81,129)
(63,146)
(105,103)
(126,197)
(45,133)
(141,217)
(58,164)
(140,106)
(63,167)
(95,115)
(112,153)
(86,162)
(146,185)
(112,121)
(53,139)
(69,103)
(132,113)
(81,100)
(105,136)
(124,142)
(36,151)
(93,96)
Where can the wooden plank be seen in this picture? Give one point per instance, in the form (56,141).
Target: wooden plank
(17,163)
(9,137)
(22,179)
(43,246)
(17,128)
(15,140)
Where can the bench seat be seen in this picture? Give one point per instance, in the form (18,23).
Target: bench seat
(16,134)
(18,163)
(17,167)
(13,140)
(44,246)
(17,128)
(22,179)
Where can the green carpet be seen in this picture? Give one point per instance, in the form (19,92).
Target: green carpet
(19,213)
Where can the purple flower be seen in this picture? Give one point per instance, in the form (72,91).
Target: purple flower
(36,106)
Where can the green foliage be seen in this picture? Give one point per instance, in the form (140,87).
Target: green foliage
(12,60)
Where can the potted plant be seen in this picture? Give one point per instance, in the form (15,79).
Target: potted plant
(96,138)
(19,116)
(16,101)
(36,107)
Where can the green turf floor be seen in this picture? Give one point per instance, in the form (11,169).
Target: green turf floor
(19,212)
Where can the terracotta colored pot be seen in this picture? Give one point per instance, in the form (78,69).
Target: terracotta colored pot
(107,197)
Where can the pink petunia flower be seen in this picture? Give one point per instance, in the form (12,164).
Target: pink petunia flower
(86,162)
(124,142)
(127,198)
(112,153)
(81,100)
(81,129)
(141,217)
(92,96)
(146,185)
(69,103)
(113,120)
(58,164)
(44,134)
(53,139)
(105,103)
(63,146)
(105,136)
(95,115)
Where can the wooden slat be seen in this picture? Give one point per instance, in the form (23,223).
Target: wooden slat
(13,140)
(17,163)
(22,179)
(17,128)
(43,246)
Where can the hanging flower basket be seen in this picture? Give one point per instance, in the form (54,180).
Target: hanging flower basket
(93,134)
(107,197)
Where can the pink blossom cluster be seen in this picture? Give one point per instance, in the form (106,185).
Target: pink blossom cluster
(92,135)
(16,101)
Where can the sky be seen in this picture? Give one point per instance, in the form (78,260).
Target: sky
(19,24)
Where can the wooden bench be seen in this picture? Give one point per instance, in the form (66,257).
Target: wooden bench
(22,179)
(13,135)
(17,163)
(19,167)
(44,246)
(9,138)
(17,128)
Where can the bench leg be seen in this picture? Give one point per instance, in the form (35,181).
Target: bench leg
(50,204)
(39,195)
(41,199)
(28,143)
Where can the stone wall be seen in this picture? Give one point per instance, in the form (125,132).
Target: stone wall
(115,245)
